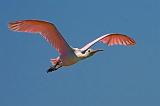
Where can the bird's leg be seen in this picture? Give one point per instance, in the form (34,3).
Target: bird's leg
(54,68)
(58,67)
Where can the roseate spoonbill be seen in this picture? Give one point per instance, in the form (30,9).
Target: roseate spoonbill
(68,55)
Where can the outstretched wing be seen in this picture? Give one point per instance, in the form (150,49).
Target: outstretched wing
(46,29)
(111,39)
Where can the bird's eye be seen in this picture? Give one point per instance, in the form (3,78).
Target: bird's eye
(89,50)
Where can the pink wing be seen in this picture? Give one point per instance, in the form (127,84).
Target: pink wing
(46,29)
(111,39)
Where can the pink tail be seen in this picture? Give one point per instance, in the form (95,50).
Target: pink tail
(55,60)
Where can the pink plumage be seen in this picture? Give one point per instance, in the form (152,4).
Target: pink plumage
(46,29)
(117,39)
(68,55)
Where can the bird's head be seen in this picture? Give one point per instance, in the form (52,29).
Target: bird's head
(91,52)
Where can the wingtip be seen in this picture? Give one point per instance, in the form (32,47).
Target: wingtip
(14,25)
(133,42)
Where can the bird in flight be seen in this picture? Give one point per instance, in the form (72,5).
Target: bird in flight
(67,55)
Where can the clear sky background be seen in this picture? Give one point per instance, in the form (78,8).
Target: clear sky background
(119,76)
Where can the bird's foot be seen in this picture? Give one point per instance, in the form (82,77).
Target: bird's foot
(51,69)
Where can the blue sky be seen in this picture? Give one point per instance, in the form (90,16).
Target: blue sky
(119,76)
